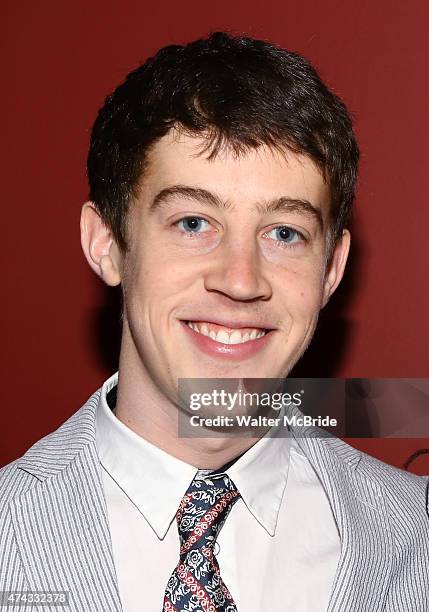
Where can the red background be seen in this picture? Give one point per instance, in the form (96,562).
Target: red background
(59,60)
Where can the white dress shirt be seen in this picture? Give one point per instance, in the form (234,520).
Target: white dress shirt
(279,547)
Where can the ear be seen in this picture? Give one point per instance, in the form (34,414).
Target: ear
(335,269)
(99,245)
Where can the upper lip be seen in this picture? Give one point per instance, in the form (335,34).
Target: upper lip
(233,323)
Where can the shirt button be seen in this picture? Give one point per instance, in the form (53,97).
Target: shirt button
(216,549)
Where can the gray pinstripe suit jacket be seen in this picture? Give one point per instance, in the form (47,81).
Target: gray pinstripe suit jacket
(54,533)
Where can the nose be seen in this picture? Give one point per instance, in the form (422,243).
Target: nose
(237,273)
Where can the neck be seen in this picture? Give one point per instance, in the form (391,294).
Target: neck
(146,410)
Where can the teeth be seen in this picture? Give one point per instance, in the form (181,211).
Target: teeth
(235,337)
(222,336)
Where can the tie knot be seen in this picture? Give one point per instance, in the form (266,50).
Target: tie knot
(204,509)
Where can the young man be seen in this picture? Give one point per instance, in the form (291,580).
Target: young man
(221,179)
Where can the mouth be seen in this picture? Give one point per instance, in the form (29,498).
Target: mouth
(233,341)
(227,335)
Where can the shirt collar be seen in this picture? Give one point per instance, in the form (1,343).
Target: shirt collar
(260,475)
(139,467)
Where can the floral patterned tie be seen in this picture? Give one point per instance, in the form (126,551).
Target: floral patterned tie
(195,584)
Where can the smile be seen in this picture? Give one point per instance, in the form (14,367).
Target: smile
(218,333)
(235,343)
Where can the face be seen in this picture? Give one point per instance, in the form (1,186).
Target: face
(226,272)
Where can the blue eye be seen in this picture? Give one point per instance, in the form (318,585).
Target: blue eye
(192,224)
(286,235)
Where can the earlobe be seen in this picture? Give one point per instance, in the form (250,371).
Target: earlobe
(336,266)
(99,245)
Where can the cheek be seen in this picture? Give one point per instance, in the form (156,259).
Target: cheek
(301,292)
(156,280)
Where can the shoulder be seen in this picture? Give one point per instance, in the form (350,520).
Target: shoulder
(394,478)
(405,493)
(49,455)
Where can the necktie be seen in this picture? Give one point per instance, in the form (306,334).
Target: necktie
(195,584)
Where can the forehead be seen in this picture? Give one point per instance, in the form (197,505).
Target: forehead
(256,175)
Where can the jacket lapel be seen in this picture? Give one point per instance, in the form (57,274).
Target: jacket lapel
(365,566)
(60,521)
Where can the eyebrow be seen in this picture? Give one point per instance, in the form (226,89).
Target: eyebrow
(281,204)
